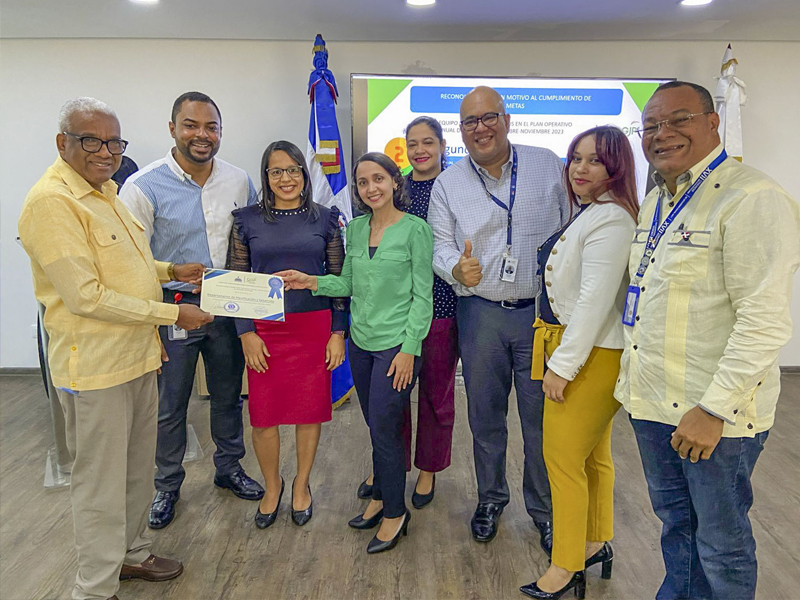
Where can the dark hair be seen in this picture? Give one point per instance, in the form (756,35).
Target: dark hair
(614,151)
(267,196)
(705,97)
(436,127)
(193,97)
(400,197)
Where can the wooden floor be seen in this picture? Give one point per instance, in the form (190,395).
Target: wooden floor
(226,557)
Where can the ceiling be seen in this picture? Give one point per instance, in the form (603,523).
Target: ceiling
(392,20)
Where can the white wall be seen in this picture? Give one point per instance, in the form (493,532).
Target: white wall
(261,90)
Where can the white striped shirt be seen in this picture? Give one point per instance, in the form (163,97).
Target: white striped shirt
(183,221)
(461,210)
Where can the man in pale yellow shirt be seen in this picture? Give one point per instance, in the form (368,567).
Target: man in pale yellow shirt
(95,275)
(711,272)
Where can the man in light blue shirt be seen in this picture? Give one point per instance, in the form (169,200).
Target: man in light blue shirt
(184,201)
(485,247)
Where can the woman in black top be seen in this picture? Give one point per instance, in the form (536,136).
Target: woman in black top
(289,363)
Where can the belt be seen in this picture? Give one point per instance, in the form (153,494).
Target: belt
(169,295)
(543,332)
(512,304)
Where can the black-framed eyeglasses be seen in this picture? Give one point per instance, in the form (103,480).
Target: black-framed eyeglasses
(676,123)
(294,172)
(488,119)
(94,144)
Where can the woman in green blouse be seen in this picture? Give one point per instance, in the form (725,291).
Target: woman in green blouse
(387,271)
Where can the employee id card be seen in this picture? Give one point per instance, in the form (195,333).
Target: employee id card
(176,333)
(631,305)
(508,268)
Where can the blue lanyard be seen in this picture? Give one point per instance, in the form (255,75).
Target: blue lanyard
(512,194)
(657,231)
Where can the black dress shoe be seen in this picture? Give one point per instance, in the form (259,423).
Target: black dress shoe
(545,535)
(360,522)
(301,517)
(375,545)
(484,521)
(263,521)
(420,500)
(606,556)
(241,485)
(364,490)
(162,510)
(578,583)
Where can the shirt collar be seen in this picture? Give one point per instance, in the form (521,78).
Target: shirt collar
(176,168)
(504,168)
(78,185)
(689,175)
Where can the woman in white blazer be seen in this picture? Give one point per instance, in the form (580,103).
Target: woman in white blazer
(578,334)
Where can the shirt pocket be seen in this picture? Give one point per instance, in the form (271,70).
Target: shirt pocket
(686,256)
(107,238)
(358,270)
(394,264)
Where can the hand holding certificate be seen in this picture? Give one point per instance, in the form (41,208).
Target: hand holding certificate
(243,295)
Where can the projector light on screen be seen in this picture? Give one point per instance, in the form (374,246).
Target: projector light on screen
(544,112)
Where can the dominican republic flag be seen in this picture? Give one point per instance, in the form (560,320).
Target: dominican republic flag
(328,173)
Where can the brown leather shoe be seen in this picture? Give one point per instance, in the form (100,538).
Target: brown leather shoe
(154,568)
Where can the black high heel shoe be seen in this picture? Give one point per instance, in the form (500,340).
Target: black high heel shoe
(301,517)
(578,583)
(360,522)
(420,500)
(606,556)
(364,490)
(263,521)
(375,545)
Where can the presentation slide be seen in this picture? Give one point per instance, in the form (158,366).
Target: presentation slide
(544,112)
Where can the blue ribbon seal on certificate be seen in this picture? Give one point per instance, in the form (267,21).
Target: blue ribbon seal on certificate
(275,285)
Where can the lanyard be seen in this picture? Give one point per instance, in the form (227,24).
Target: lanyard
(512,194)
(657,231)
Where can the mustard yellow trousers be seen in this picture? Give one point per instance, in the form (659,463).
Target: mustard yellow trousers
(577,452)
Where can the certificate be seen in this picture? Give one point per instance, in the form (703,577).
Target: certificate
(243,295)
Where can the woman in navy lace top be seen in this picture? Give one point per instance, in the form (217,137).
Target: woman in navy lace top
(289,363)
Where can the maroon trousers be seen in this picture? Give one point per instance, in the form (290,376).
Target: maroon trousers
(436,395)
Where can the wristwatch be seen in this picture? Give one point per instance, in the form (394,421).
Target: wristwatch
(341,333)
(171,271)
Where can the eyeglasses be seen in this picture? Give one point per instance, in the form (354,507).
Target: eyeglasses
(294,172)
(673,123)
(488,119)
(93,144)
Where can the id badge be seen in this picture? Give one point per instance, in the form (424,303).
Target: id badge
(631,305)
(508,268)
(176,333)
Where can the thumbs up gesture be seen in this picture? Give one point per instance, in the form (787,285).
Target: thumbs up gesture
(468,271)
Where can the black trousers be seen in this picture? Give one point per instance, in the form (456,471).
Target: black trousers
(224,362)
(384,411)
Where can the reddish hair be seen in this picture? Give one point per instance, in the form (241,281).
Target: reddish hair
(614,151)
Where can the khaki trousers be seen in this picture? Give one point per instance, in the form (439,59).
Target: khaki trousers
(111,434)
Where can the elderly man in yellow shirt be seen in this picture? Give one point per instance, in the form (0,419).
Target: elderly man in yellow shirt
(707,312)
(95,275)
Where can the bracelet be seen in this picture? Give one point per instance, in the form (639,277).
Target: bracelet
(171,271)
(341,333)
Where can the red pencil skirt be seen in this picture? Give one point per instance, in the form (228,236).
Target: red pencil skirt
(296,389)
